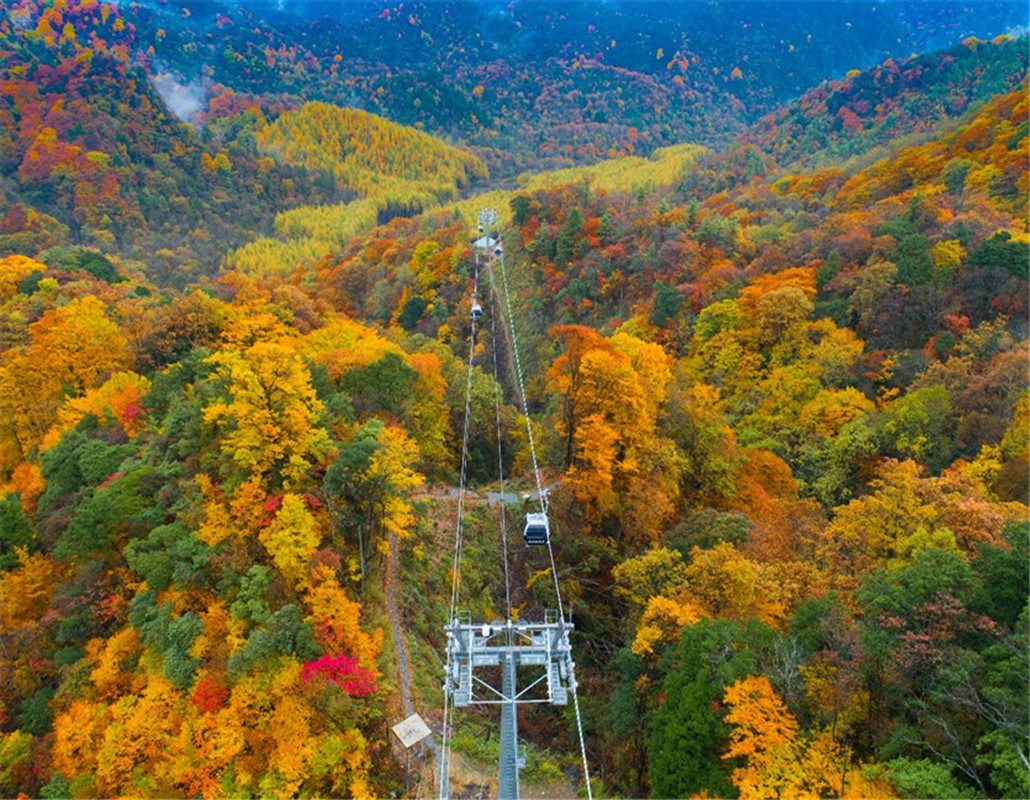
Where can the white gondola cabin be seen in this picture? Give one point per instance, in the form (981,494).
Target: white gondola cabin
(477,312)
(538,530)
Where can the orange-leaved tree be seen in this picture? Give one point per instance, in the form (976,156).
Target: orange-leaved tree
(779,760)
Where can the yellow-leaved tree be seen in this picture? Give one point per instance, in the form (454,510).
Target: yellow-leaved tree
(70,349)
(292,538)
(269,428)
(336,618)
(610,395)
(119,397)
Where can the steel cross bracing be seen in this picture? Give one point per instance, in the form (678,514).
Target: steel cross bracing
(542,646)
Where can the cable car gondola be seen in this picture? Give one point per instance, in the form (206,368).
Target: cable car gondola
(477,312)
(538,530)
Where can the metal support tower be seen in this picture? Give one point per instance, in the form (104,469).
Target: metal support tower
(475,652)
(487,218)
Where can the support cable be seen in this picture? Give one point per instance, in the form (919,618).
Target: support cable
(500,462)
(445,750)
(543,507)
(529,428)
(522,386)
(459,527)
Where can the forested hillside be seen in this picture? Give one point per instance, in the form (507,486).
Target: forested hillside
(394,171)
(777,386)
(905,98)
(533,87)
(92,156)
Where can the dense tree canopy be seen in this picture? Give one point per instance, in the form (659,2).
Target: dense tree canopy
(778,390)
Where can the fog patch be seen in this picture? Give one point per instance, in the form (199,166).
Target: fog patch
(183,99)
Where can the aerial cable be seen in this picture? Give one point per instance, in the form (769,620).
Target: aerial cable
(445,750)
(522,387)
(500,461)
(465,639)
(543,507)
(459,527)
(529,428)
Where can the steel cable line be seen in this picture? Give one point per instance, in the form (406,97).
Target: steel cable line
(445,750)
(500,460)
(543,507)
(449,698)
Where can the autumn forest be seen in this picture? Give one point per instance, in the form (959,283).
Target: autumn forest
(763,330)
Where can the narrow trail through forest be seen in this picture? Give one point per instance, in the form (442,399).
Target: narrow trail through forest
(399,645)
(403,660)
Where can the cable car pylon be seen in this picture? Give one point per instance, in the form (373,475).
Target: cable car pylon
(478,653)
